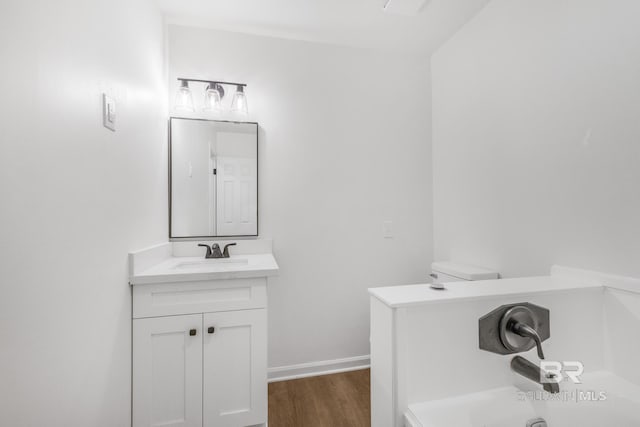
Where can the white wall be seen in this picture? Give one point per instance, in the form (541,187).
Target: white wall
(76,198)
(344,146)
(536,137)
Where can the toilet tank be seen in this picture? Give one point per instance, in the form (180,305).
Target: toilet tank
(444,271)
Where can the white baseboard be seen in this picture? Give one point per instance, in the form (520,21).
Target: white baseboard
(312,369)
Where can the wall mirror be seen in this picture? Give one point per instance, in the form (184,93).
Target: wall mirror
(213,178)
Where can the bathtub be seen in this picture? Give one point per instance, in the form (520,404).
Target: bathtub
(428,368)
(603,399)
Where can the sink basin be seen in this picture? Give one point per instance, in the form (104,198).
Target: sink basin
(208,263)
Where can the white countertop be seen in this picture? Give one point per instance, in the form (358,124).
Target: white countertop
(187,269)
(411,295)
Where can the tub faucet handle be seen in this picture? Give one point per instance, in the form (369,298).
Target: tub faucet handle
(527,331)
(514,328)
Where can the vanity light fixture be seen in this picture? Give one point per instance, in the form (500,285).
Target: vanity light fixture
(214,93)
(184,99)
(212,98)
(239,103)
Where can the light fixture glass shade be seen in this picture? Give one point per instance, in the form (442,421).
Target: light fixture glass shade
(184,100)
(212,99)
(239,102)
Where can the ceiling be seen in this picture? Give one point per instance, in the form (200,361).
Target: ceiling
(359,23)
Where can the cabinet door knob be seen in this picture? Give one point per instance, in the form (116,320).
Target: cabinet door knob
(211,329)
(192,332)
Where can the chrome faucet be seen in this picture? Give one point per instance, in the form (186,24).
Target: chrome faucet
(531,371)
(213,251)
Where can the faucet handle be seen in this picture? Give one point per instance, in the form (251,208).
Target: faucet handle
(208,249)
(527,331)
(225,253)
(514,328)
(521,328)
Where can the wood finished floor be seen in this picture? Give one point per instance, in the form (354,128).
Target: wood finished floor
(336,400)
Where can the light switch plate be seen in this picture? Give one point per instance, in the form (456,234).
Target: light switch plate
(108,112)
(387,229)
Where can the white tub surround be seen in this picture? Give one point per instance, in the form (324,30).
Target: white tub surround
(420,295)
(200,334)
(602,399)
(425,348)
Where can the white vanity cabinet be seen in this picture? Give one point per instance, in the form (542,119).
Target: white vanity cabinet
(200,353)
(167,371)
(235,368)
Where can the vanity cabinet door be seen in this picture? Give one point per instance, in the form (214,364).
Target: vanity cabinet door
(167,371)
(235,368)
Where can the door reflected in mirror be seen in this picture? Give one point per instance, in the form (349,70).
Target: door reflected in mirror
(213,170)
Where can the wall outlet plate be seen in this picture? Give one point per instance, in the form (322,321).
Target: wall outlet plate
(108,112)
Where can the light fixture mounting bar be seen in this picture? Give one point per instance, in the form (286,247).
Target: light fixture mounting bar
(212,81)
